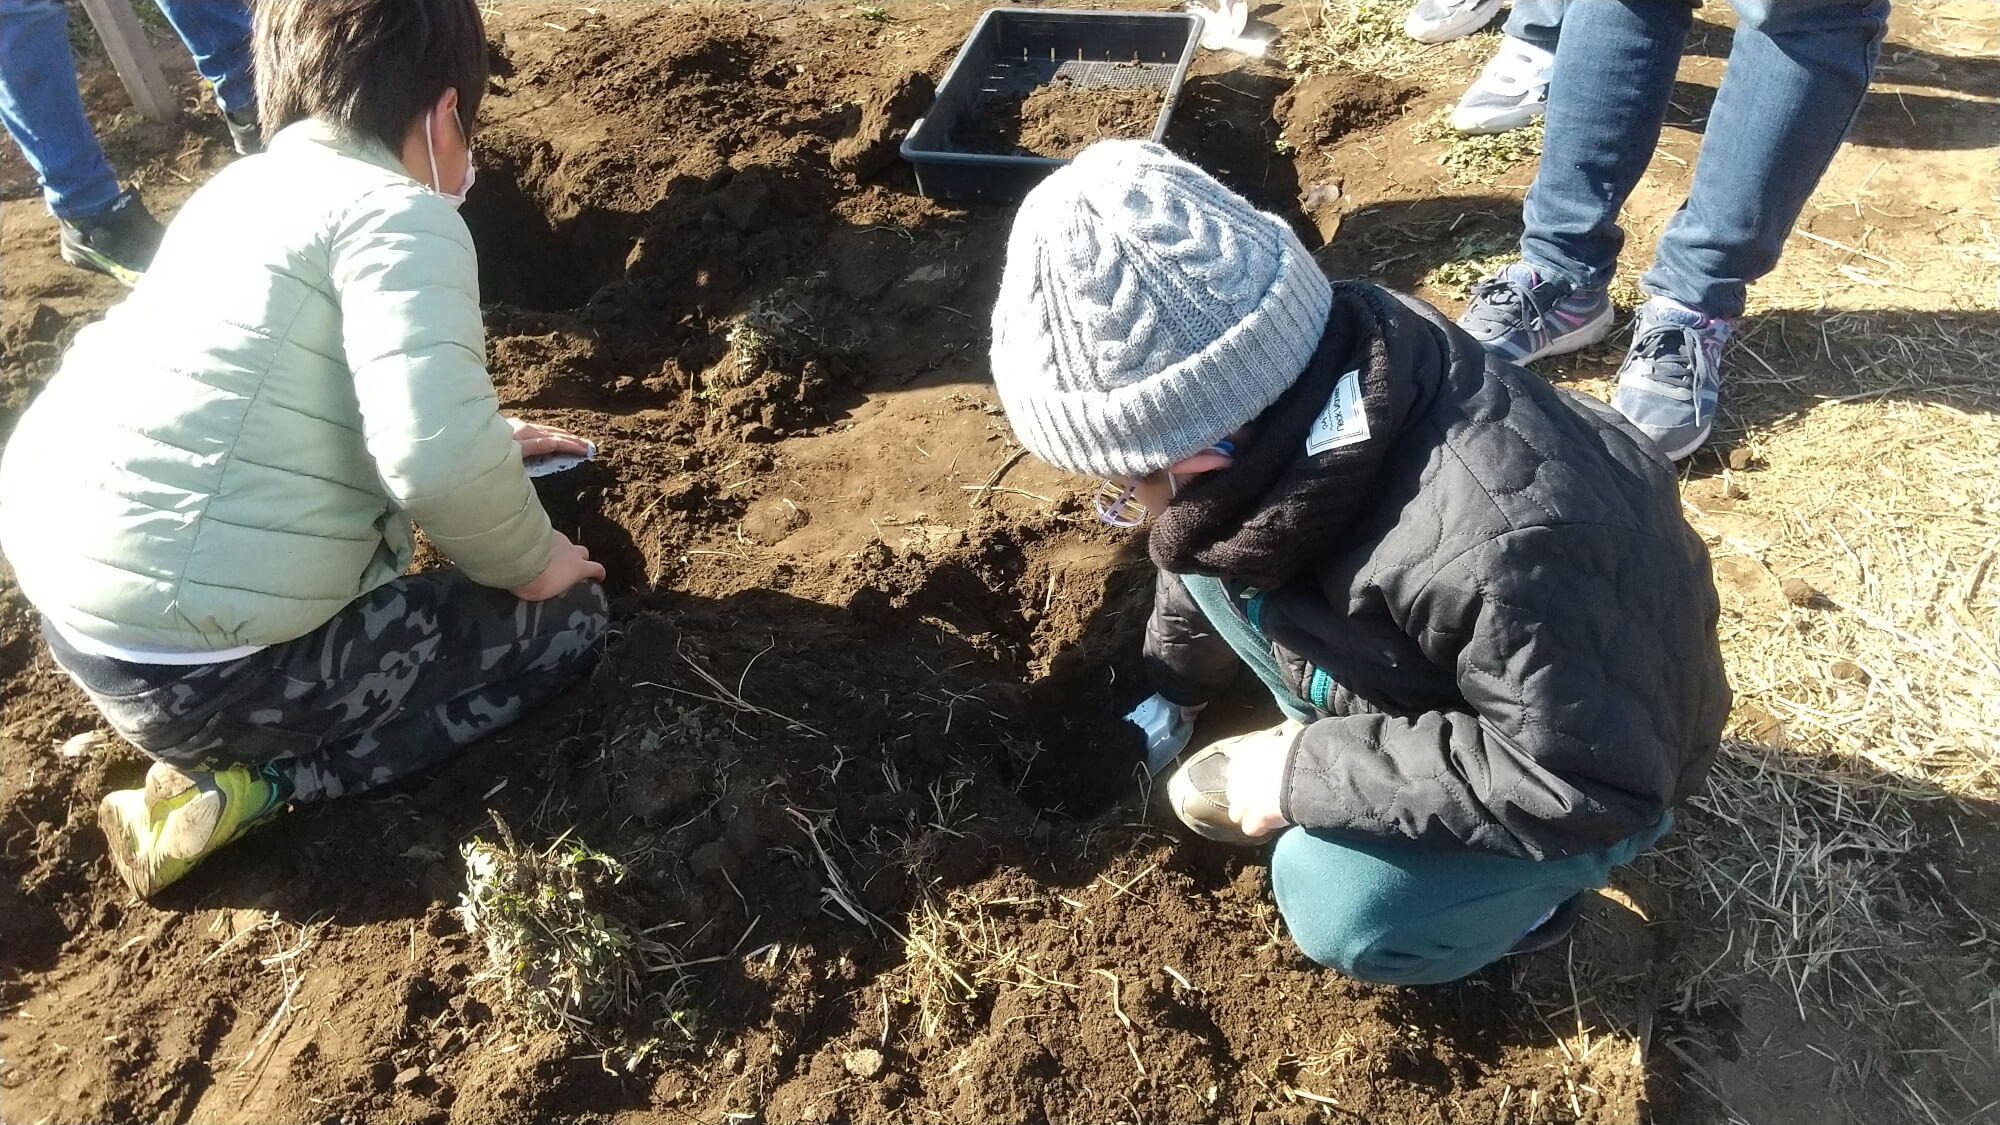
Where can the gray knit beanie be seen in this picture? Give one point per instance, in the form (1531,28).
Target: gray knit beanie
(1146,311)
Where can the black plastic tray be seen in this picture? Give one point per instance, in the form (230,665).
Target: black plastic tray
(1017,49)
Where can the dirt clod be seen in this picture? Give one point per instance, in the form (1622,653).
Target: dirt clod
(886,117)
(1799,592)
(866,1063)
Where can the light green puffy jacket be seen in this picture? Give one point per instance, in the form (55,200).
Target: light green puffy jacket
(238,450)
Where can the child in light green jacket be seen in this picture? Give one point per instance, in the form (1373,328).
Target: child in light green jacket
(211,502)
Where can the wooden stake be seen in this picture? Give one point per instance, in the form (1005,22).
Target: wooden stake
(132,56)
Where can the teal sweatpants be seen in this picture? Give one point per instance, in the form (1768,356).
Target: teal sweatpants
(1393,913)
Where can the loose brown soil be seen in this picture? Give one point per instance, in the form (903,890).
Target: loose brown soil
(847,619)
(1059,119)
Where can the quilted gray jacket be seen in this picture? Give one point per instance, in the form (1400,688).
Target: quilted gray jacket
(1513,645)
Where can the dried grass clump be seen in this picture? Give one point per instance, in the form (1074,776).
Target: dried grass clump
(1817,896)
(962,946)
(965,945)
(1810,862)
(561,955)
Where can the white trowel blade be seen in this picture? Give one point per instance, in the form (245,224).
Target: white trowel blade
(547,464)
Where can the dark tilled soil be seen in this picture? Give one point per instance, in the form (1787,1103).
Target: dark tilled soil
(847,620)
(1059,119)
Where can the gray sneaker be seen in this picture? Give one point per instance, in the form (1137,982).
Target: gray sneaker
(1439,21)
(1519,315)
(1672,377)
(1510,92)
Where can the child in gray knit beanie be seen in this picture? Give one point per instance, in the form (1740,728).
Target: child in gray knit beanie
(1472,594)
(1146,312)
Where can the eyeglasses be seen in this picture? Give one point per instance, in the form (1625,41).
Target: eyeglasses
(1116,506)
(1116,502)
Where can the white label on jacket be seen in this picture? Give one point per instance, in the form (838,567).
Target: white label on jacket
(1343,422)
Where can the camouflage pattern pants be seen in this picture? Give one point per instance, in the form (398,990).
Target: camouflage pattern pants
(395,683)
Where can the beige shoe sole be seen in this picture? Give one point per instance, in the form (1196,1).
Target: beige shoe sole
(120,841)
(1202,814)
(128,820)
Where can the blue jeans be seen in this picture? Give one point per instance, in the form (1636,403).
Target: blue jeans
(1536,21)
(43,110)
(1391,913)
(1796,74)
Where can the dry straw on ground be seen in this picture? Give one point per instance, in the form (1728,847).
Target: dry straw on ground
(1856,538)
(1864,600)
(1851,502)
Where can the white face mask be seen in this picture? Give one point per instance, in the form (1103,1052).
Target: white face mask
(471,173)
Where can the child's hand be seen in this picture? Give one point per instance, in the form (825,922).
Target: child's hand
(1256,776)
(570,566)
(536,440)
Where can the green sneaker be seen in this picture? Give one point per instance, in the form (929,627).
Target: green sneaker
(243,131)
(159,832)
(119,241)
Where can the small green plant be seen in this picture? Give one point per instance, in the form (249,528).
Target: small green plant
(873,13)
(774,327)
(1356,35)
(1477,159)
(562,955)
(1371,23)
(1475,255)
(750,346)
(779,328)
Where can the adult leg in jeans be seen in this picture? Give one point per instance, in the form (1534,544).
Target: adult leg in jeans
(1536,21)
(43,109)
(1608,94)
(1393,913)
(1797,72)
(217,34)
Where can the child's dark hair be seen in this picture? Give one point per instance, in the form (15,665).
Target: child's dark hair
(367,67)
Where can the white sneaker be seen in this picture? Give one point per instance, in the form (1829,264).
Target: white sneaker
(1438,21)
(1510,92)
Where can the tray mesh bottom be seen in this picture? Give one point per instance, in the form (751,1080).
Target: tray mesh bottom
(1019,75)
